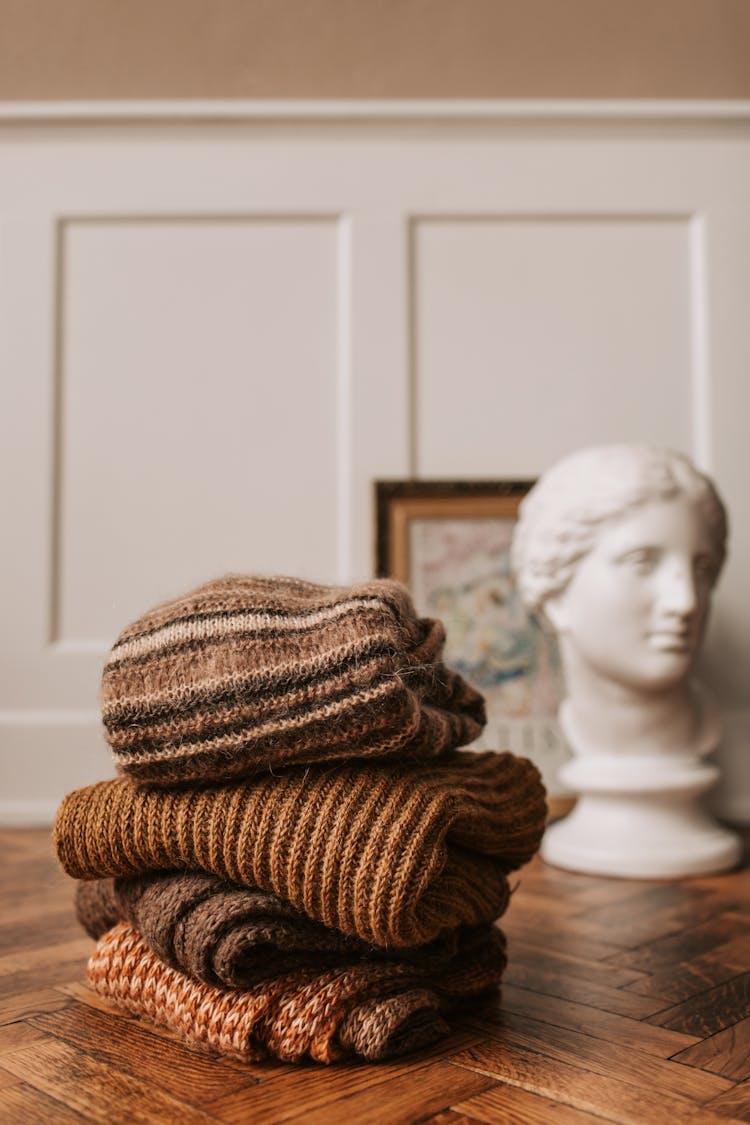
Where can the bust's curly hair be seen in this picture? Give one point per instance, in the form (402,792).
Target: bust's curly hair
(560,517)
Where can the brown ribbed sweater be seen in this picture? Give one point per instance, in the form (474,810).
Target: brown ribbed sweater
(230,936)
(246,674)
(372,1009)
(392,853)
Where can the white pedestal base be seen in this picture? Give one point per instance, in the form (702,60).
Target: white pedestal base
(640,836)
(640,815)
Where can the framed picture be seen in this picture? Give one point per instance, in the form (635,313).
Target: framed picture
(449,542)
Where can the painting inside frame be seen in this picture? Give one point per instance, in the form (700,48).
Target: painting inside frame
(449,542)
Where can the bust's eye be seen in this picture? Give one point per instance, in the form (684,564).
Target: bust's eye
(641,560)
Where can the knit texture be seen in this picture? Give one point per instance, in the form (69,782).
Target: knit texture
(374,1010)
(230,936)
(393,854)
(246,674)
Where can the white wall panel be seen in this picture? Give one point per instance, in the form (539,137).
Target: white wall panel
(219,324)
(198,392)
(537,334)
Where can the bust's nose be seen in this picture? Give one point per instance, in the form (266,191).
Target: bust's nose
(678,593)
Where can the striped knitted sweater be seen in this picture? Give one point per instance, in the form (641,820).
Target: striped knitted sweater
(246,674)
(374,1009)
(393,854)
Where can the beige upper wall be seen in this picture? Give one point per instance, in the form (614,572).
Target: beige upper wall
(68,49)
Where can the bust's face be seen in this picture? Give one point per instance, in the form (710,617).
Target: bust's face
(636,607)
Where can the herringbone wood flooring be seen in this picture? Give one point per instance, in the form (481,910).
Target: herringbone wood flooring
(623,1001)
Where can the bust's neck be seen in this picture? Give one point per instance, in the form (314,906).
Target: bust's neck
(604,715)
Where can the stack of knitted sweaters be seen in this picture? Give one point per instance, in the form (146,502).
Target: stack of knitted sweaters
(297,860)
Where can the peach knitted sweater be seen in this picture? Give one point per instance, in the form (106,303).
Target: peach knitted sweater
(374,1009)
(393,853)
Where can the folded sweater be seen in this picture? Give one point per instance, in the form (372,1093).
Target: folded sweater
(230,936)
(373,1009)
(392,853)
(246,674)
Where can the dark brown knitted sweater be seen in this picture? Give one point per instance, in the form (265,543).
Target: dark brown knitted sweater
(248,674)
(231,937)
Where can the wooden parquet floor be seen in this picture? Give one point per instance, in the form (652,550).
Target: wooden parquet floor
(623,1001)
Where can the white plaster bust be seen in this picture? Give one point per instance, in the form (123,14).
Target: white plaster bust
(619,548)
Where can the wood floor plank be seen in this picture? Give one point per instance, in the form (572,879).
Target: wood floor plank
(726,1053)
(597,893)
(553,882)
(35,939)
(26,914)
(581,991)
(25,1004)
(710,1011)
(24,843)
(17,985)
(87,998)
(693,941)
(513,1104)
(592,1093)
(608,1059)
(545,959)
(279,1098)
(96,1091)
(8,1079)
(41,879)
(402,1101)
(21,1104)
(522,926)
(13,1036)
(735,1104)
(591,1021)
(21,961)
(739,887)
(173,1067)
(683,979)
(659,911)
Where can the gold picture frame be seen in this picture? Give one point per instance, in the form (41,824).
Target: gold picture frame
(398,502)
(449,542)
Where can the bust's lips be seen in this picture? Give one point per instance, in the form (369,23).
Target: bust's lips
(671,640)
